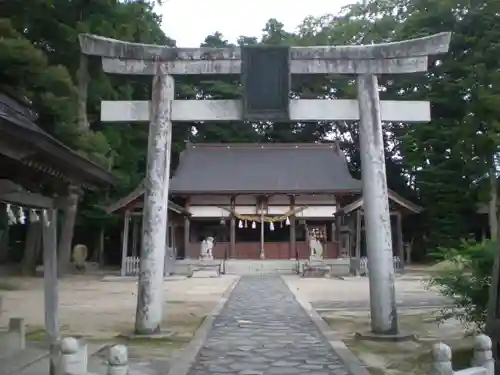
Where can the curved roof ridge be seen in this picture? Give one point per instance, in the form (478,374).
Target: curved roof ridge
(265,145)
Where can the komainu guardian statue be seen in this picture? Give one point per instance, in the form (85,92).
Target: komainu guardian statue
(207,246)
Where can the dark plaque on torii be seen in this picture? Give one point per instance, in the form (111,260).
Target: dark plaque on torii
(266,83)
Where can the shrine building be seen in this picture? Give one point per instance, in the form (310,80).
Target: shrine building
(270,197)
(279,201)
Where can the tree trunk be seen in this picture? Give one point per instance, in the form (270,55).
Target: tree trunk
(32,248)
(67,229)
(4,234)
(492,205)
(83,82)
(100,255)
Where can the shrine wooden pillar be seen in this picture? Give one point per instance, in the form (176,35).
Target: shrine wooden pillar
(399,228)
(126,224)
(293,230)
(232,231)
(173,226)
(357,253)
(186,230)
(262,229)
(135,236)
(337,218)
(51,291)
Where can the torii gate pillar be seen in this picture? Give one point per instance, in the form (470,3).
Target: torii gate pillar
(154,226)
(376,207)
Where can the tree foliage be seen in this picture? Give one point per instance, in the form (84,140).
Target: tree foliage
(465,278)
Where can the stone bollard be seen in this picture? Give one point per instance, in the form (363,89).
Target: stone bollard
(441,360)
(17,334)
(483,356)
(118,360)
(73,359)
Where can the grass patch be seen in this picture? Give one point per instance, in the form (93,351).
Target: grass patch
(37,333)
(36,336)
(178,333)
(154,341)
(143,347)
(403,358)
(9,285)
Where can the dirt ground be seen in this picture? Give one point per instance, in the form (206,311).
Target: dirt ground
(97,309)
(354,289)
(405,358)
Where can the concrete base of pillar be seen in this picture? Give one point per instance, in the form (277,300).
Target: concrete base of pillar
(393,337)
(315,271)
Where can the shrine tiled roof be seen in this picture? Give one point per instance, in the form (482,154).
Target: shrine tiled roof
(17,125)
(262,168)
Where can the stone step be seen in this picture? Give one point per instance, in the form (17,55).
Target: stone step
(15,362)
(260,267)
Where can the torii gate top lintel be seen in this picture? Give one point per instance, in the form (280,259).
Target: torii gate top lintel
(96,45)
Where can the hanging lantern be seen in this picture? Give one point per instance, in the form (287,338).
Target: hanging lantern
(271,226)
(22,216)
(240,224)
(254,225)
(287,222)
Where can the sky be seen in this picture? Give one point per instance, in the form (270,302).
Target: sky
(190,21)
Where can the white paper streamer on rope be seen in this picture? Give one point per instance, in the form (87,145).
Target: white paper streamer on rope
(287,222)
(46,218)
(271,226)
(240,224)
(22,216)
(33,216)
(254,225)
(10,215)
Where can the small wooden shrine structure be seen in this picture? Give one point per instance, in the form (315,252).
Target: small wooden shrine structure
(36,171)
(131,207)
(353,224)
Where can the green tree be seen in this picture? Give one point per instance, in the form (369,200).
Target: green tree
(46,41)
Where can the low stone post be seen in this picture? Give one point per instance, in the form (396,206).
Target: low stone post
(73,359)
(118,360)
(17,333)
(441,360)
(483,356)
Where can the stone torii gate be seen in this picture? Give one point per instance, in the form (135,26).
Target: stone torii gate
(266,74)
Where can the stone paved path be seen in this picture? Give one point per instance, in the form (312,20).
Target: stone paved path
(262,330)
